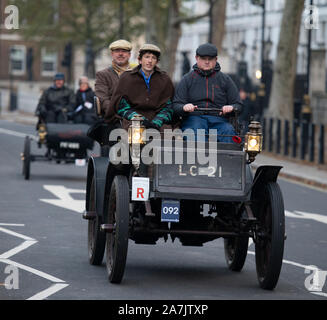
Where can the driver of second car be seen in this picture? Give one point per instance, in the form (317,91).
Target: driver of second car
(56,102)
(207,87)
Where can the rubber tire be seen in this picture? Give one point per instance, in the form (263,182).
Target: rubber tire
(269,254)
(117,242)
(27,158)
(96,239)
(236,249)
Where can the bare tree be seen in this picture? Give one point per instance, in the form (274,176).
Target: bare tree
(163,27)
(281,99)
(218,22)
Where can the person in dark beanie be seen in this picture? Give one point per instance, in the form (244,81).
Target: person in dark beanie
(56,102)
(84,111)
(207,87)
(146,91)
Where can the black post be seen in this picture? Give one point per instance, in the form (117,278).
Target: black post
(322,144)
(270,142)
(29,64)
(12,96)
(263,133)
(304,138)
(278,136)
(294,138)
(286,137)
(312,142)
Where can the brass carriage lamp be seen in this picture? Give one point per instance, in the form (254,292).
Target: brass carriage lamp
(42,132)
(136,131)
(253,140)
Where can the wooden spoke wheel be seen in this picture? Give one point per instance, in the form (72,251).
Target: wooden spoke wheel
(117,241)
(270,237)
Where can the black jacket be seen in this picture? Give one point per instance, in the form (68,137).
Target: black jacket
(54,99)
(212,89)
(82,113)
(89,97)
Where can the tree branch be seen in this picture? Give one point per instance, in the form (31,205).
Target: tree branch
(190,19)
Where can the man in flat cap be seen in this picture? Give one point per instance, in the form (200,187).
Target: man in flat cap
(107,79)
(207,87)
(56,102)
(146,91)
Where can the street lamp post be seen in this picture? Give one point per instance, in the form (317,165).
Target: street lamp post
(262,91)
(267,71)
(242,66)
(306,108)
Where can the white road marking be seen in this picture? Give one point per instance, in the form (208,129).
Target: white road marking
(17,249)
(15,234)
(32,270)
(320,294)
(306,215)
(4,258)
(12,225)
(17,134)
(65,200)
(300,215)
(48,292)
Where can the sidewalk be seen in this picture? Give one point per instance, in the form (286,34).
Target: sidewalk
(306,173)
(19,116)
(309,174)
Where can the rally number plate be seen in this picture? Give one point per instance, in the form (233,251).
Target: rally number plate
(170,210)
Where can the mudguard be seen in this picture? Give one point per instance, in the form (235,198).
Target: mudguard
(264,175)
(97,168)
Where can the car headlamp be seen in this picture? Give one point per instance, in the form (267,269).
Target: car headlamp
(136,131)
(253,140)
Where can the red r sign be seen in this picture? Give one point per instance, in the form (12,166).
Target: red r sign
(139,193)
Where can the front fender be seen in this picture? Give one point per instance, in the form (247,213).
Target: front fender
(97,168)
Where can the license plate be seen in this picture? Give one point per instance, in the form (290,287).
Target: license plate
(170,211)
(80,162)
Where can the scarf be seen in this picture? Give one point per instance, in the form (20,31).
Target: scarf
(120,70)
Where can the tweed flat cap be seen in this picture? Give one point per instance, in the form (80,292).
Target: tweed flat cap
(121,44)
(207,50)
(150,47)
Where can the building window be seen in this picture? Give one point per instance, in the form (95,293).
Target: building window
(48,62)
(17,60)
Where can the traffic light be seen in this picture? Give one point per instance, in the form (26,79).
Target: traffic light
(67,61)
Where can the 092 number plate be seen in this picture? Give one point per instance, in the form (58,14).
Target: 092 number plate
(170,210)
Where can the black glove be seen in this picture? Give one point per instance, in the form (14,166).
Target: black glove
(70,115)
(149,124)
(41,112)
